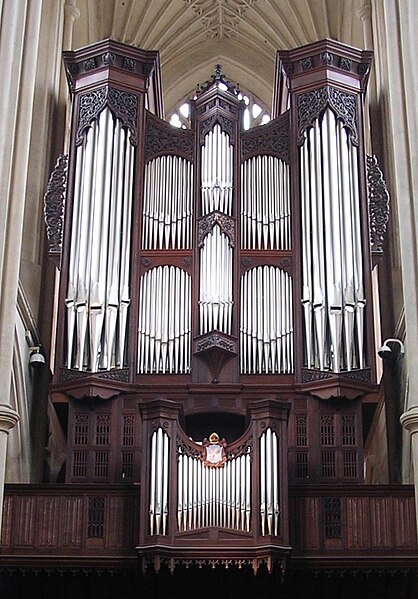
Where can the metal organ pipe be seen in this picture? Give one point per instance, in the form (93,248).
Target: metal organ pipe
(218,497)
(215,299)
(266,336)
(168,202)
(217,172)
(159,479)
(164,321)
(269,485)
(265,204)
(98,292)
(332,286)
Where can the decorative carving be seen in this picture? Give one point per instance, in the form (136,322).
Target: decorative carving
(67,374)
(285,263)
(226,124)
(187,450)
(215,341)
(345,64)
(187,262)
(206,224)
(272,138)
(91,105)
(306,63)
(312,103)
(215,79)
(129,64)
(123,104)
(118,374)
(146,262)
(326,58)
(54,204)
(246,262)
(378,204)
(90,64)
(208,106)
(245,448)
(109,58)
(162,138)
(362,376)
(363,69)
(288,69)
(309,376)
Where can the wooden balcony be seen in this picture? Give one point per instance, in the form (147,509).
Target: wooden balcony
(97,526)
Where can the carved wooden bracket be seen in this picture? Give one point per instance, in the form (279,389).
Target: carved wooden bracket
(378,204)
(54,200)
(216,349)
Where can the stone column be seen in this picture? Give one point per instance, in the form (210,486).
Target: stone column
(8,419)
(19,41)
(396,44)
(409,421)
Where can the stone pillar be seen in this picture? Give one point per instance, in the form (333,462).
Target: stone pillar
(409,421)
(8,419)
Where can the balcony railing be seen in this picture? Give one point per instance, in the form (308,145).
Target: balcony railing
(98,526)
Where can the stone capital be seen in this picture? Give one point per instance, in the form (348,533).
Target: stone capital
(409,420)
(8,418)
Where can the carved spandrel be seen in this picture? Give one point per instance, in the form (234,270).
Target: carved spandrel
(271,139)
(122,104)
(54,204)
(311,104)
(162,138)
(378,204)
(226,224)
(227,125)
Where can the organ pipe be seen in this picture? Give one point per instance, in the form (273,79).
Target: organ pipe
(217,172)
(215,299)
(265,204)
(266,335)
(168,204)
(269,483)
(332,281)
(159,479)
(98,293)
(164,321)
(213,496)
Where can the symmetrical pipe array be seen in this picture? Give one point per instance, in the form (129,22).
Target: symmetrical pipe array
(265,204)
(98,293)
(159,479)
(217,172)
(266,335)
(168,203)
(215,296)
(214,496)
(269,483)
(333,296)
(164,321)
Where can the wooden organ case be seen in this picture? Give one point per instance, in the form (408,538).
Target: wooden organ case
(221,277)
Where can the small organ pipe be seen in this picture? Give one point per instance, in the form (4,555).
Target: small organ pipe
(266,328)
(167,210)
(164,321)
(265,204)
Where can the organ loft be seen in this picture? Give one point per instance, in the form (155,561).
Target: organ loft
(214,343)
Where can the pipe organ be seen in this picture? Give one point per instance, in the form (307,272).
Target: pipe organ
(214,273)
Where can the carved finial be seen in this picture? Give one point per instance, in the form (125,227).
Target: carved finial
(218,71)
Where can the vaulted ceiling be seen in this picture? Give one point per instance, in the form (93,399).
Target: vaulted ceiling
(193,35)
